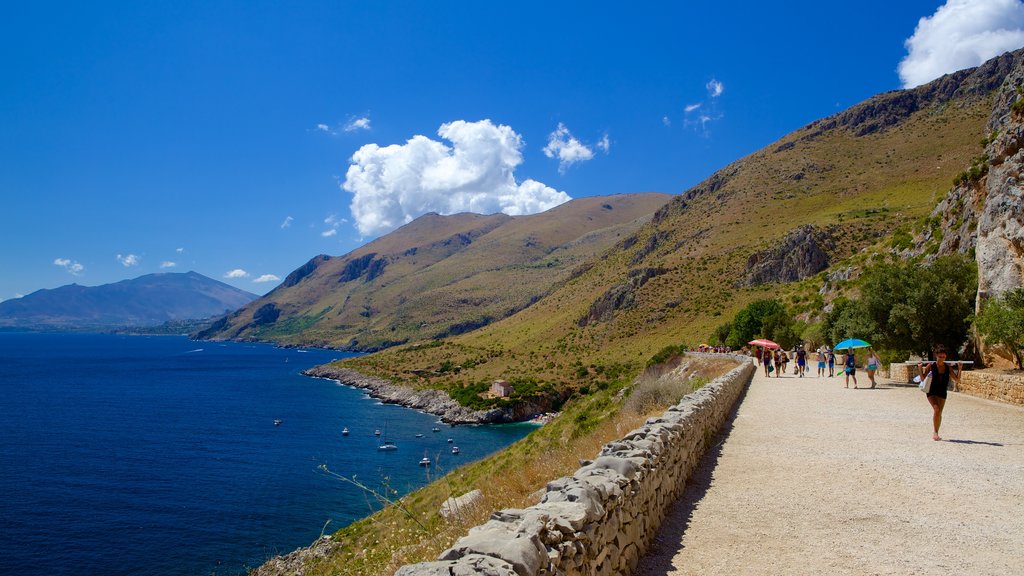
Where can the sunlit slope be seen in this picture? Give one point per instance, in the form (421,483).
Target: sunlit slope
(438,275)
(856,177)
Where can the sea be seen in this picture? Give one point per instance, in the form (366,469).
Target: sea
(161,455)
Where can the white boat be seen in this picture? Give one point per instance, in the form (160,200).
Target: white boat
(344,431)
(277,421)
(424,461)
(376,432)
(385,444)
(435,429)
(450,440)
(419,435)
(455,449)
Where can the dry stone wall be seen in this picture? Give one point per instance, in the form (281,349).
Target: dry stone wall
(600,520)
(1003,387)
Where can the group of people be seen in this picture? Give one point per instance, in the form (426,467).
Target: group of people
(717,349)
(939,371)
(777,362)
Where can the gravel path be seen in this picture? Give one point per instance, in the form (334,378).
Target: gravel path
(813,478)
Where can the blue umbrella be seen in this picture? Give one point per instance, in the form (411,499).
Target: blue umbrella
(851,343)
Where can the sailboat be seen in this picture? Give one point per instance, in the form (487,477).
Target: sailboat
(385,444)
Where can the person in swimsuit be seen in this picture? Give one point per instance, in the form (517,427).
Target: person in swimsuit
(941,373)
(831,354)
(766,357)
(850,367)
(821,362)
(801,360)
(872,364)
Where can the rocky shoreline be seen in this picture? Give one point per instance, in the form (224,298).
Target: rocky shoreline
(431,401)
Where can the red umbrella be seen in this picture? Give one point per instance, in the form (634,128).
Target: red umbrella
(764,343)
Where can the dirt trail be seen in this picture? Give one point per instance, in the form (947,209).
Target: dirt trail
(813,478)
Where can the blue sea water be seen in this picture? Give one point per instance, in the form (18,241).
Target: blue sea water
(159,455)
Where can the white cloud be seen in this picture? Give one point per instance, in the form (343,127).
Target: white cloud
(333,223)
(168,264)
(961,34)
(236,273)
(287,222)
(715,88)
(361,123)
(691,107)
(128,261)
(180,250)
(266,278)
(666,120)
(604,144)
(565,147)
(73,267)
(395,184)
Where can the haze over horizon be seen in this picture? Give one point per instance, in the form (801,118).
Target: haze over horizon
(240,142)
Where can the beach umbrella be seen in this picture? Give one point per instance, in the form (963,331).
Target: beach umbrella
(764,342)
(852,343)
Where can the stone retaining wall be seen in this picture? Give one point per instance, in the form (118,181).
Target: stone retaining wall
(1003,387)
(601,519)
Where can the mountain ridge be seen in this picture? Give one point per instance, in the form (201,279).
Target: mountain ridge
(147,300)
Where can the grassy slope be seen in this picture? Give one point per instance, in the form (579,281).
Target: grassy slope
(446,271)
(861,188)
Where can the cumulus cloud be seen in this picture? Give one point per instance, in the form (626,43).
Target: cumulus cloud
(287,222)
(392,185)
(565,147)
(168,264)
(266,278)
(361,123)
(961,34)
(128,260)
(324,128)
(715,88)
(236,273)
(73,267)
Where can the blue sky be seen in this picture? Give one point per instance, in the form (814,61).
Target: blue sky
(240,139)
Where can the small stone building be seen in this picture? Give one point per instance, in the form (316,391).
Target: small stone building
(501,389)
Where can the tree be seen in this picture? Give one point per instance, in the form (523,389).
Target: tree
(904,307)
(1002,322)
(748,323)
(721,334)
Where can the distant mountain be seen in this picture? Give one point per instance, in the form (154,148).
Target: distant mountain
(437,276)
(144,301)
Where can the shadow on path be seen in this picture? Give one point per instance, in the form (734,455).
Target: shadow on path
(975,442)
(667,541)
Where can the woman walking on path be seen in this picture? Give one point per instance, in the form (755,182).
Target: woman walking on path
(766,361)
(850,367)
(873,362)
(831,361)
(941,373)
(783,362)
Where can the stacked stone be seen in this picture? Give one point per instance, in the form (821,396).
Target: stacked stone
(1007,388)
(600,520)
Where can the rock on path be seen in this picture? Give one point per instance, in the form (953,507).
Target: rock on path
(813,478)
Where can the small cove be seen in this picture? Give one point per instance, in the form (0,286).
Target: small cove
(139,455)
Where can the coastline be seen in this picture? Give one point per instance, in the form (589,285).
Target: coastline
(434,402)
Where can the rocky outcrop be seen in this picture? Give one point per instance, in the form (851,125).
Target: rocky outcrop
(1000,236)
(601,519)
(430,401)
(298,563)
(799,255)
(619,296)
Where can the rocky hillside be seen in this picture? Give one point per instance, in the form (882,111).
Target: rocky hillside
(778,223)
(437,276)
(148,300)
